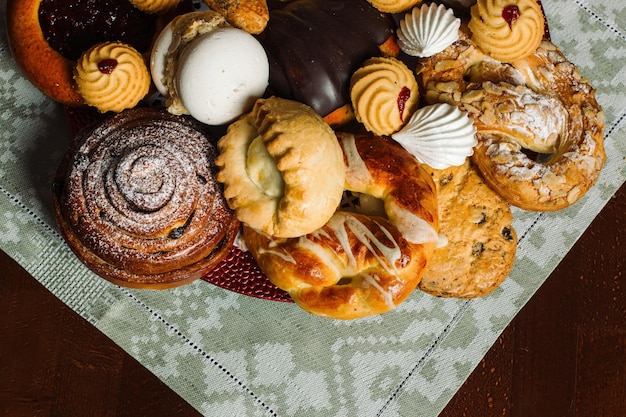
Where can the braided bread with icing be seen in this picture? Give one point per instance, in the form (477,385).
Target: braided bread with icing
(359,264)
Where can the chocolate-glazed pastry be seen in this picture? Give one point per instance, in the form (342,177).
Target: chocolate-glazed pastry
(138,202)
(314,46)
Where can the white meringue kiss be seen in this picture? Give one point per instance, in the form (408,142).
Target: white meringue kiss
(439,135)
(428,30)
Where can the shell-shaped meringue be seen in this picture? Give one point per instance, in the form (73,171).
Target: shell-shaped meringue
(439,135)
(428,30)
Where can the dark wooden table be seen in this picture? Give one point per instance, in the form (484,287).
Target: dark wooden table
(564,355)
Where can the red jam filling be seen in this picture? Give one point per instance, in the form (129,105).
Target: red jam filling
(510,14)
(106,66)
(403,97)
(72,27)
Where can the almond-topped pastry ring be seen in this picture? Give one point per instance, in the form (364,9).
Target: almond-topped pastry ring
(360,264)
(539,126)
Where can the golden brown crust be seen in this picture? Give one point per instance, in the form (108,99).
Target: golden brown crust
(155,6)
(540,104)
(249,15)
(340,271)
(46,69)
(282,168)
(359,264)
(138,202)
(480,240)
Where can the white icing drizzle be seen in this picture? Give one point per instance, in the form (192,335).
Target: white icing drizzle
(274,249)
(413,228)
(373,281)
(356,168)
(443,241)
(341,222)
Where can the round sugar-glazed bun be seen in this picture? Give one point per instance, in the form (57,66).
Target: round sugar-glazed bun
(137,200)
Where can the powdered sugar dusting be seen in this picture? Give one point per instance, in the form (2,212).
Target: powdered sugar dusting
(143,194)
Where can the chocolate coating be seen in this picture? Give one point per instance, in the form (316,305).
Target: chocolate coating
(314,46)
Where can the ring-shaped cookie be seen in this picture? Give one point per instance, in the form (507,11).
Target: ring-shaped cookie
(539,126)
(358,265)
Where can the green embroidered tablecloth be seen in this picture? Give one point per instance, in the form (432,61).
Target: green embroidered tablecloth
(232,355)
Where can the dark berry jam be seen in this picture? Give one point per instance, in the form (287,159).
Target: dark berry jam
(72,27)
(106,66)
(510,14)
(403,97)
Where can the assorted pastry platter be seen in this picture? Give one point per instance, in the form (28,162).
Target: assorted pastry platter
(433,80)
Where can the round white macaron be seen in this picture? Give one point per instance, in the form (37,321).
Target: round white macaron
(221,74)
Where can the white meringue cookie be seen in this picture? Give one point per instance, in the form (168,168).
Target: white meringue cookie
(439,135)
(428,30)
